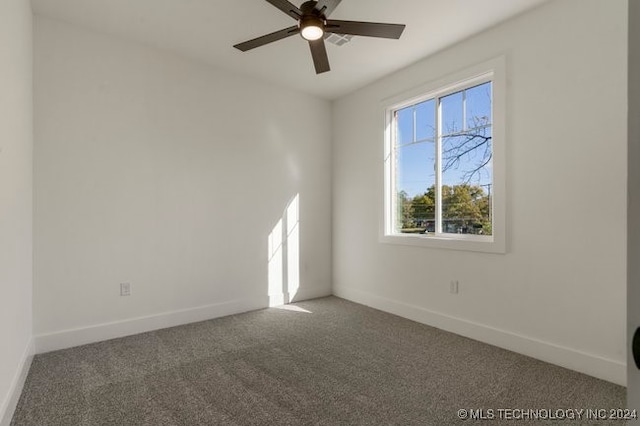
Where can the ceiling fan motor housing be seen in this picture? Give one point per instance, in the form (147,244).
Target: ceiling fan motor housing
(309,8)
(311,23)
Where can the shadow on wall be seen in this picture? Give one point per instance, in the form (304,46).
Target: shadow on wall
(283,254)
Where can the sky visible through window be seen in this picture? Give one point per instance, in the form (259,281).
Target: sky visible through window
(466,143)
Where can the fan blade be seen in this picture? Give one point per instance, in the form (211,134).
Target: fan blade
(328,5)
(287,8)
(269,38)
(319,55)
(369,29)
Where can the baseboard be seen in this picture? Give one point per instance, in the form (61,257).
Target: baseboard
(278,299)
(300,295)
(100,332)
(96,333)
(8,406)
(590,364)
(310,293)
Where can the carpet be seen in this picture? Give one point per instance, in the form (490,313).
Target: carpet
(319,362)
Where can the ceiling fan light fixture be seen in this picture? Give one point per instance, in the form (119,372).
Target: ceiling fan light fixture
(312,33)
(311,28)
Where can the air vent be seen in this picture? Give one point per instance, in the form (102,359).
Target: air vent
(338,39)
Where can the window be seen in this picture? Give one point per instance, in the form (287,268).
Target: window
(444,163)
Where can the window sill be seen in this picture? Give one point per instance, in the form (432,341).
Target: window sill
(476,243)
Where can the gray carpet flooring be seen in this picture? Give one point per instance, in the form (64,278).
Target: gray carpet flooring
(320,362)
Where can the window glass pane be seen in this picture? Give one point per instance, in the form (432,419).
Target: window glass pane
(451,113)
(478,105)
(415,188)
(425,120)
(466,183)
(405,125)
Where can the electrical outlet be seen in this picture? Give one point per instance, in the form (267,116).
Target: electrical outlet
(125,289)
(453,287)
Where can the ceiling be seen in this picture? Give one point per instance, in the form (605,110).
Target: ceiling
(206,30)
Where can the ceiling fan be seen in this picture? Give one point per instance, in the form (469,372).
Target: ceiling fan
(313,23)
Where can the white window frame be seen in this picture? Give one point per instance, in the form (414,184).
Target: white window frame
(494,71)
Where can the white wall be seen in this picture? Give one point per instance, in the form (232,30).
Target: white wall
(633,208)
(559,292)
(16,191)
(169,175)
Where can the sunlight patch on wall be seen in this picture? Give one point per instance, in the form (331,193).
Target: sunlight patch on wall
(276,273)
(283,254)
(293,249)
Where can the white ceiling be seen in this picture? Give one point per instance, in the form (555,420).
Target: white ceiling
(207,29)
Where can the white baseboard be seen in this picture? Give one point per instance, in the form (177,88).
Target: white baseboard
(310,293)
(593,365)
(278,299)
(96,333)
(299,295)
(112,330)
(8,406)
